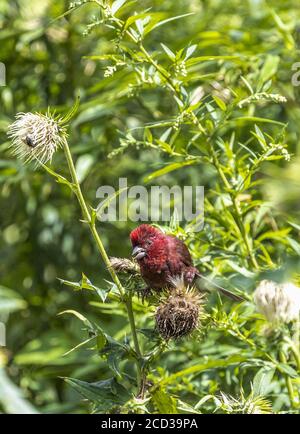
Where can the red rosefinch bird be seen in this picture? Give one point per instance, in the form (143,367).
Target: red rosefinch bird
(164,257)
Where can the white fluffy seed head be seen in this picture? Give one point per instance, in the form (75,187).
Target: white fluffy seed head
(35,137)
(279,303)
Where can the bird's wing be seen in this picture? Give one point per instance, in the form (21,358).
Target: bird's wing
(178,255)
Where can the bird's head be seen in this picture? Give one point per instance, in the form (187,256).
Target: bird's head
(142,240)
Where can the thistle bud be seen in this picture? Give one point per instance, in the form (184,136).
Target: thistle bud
(36,136)
(278,302)
(179,314)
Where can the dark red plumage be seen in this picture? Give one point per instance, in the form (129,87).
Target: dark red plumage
(161,257)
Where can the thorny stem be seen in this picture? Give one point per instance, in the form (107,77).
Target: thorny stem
(88,218)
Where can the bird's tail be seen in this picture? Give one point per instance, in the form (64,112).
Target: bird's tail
(222,290)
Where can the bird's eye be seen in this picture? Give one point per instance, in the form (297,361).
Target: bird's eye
(148,243)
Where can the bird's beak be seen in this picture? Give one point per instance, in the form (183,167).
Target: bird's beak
(138,253)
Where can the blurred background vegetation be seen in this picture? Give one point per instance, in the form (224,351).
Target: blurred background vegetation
(49,62)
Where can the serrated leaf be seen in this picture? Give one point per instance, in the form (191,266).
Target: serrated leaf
(85,283)
(106,393)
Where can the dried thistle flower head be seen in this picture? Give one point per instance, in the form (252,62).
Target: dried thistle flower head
(278,302)
(124,265)
(36,136)
(178,314)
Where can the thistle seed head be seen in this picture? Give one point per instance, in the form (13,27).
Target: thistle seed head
(279,303)
(36,136)
(178,314)
(124,265)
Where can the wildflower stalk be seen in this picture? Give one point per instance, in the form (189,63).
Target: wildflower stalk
(88,218)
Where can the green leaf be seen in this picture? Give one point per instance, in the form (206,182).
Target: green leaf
(140,26)
(268,70)
(85,283)
(169,52)
(294,244)
(260,137)
(167,169)
(163,401)
(168,20)
(286,369)
(117,4)
(242,270)
(133,18)
(60,179)
(190,51)
(220,103)
(81,317)
(106,394)
(194,60)
(262,381)
(210,364)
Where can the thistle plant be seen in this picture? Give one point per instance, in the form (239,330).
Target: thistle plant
(183,99)
(36,136)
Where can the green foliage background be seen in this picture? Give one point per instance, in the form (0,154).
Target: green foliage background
(131,127)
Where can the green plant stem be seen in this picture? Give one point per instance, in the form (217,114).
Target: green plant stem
(288,381)
(128,303)
(296,356)
(296,337)
(244,233)
(294,345)
(88,218)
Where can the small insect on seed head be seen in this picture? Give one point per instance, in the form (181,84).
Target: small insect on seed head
(36,136)
(30,141)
